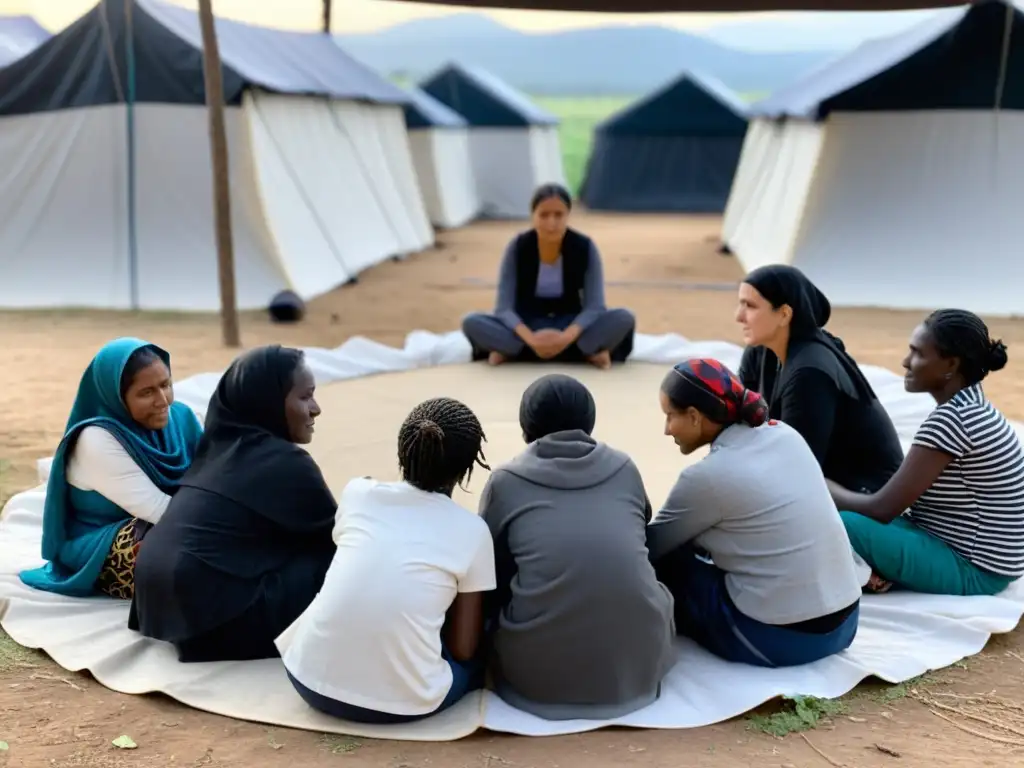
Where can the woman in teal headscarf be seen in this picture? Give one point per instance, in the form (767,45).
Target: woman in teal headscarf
(125,448)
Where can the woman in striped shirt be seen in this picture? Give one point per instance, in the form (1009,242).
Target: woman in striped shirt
(951,520)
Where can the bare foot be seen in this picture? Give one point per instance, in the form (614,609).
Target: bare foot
(602,360)
(496,358)
(877,585)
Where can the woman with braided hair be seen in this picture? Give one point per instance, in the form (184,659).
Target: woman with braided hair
(782,589)
(951,520)
(394,634)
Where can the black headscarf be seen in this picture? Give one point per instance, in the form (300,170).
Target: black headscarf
(782,284)
(245,454)
(556,403)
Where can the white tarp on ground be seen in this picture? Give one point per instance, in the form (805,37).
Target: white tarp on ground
(510,163)
(882,208)
(441,156)
(900,635)
(320,191)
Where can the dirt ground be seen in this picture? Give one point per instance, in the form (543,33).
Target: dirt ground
(668,271)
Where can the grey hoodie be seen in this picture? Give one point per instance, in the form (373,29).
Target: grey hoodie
(584,629)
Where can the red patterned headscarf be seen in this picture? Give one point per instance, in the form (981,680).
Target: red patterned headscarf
(715,391)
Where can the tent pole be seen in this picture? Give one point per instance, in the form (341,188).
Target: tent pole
(133,240)
(328,7)
(221,187)
(1004,56)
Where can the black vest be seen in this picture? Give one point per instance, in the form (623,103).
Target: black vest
(575,261)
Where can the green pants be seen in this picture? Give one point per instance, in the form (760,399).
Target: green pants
(916,560)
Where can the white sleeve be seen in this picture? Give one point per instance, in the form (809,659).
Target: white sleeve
(99,463)
(480,576)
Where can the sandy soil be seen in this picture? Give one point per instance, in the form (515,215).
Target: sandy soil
(669,272)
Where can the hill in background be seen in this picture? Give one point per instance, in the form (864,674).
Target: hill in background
(614,60)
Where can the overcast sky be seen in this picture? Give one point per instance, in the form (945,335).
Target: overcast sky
(364,15)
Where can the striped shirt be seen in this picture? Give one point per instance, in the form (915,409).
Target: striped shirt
(976,505)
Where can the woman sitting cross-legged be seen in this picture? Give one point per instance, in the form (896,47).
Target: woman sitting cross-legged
(126,446)
(584,629)
(551,296)
(395,633)
(782,589)
(951,521)
(246,541)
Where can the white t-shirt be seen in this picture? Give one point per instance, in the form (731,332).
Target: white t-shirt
(372,637)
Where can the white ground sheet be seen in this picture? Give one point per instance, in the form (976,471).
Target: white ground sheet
(900,637)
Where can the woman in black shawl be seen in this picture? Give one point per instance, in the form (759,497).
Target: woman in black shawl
(810,381)
(245,544)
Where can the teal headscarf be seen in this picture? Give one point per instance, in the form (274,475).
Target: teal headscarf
(79,527)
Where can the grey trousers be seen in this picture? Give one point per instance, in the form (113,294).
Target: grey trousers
(611,331)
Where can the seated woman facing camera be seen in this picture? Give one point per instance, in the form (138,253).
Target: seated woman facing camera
(126,446)
(810,381)
(394,635)
(783,589)
(584,629)
(245,543)
(951,521)
(551,296)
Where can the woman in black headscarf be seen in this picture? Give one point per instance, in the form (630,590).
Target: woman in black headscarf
(583,628)
(810,381)
(245,544)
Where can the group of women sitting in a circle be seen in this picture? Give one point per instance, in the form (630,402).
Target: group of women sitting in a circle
(566,587)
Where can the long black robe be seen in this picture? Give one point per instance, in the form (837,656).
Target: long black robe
(245,544)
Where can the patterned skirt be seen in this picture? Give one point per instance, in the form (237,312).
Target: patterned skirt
(117,578)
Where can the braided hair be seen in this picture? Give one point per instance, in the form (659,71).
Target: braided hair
(963,335)
(438,445)
(715,391)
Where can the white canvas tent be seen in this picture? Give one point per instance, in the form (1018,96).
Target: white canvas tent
(514,143)
(106,198)
(439,138)
(892,176)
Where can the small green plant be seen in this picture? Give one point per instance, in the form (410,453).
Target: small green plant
(13,655)
(902,690)
(799,713)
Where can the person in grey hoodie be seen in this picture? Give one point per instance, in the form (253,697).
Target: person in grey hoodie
(582,628)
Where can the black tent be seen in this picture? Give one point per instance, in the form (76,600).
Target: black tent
(675,150)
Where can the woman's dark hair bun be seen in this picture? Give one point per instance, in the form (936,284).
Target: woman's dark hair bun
(997,357)
(753,409)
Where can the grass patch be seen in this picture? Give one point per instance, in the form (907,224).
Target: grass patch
(799,713)
(14,656)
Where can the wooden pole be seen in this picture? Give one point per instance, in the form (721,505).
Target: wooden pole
(327,16)
(221,186)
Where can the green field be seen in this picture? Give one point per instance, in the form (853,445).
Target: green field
(579,117)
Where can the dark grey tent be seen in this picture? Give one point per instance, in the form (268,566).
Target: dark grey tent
(107,196)
(439,139)
(675,150)
(514,143)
